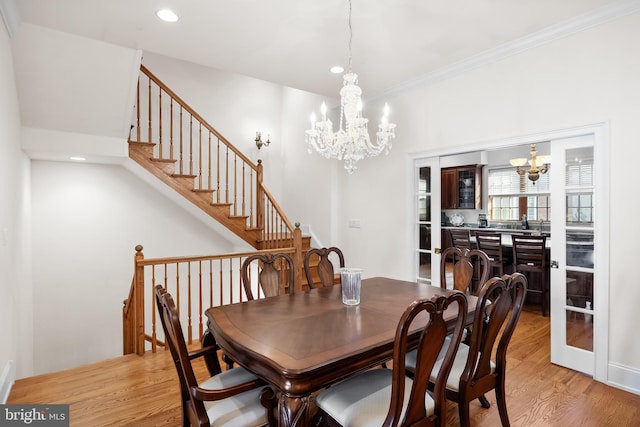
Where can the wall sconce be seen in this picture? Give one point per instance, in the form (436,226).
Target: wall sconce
(538,165)
(260,142)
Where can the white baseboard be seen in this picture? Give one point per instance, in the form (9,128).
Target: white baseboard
(624,377)
(6,381)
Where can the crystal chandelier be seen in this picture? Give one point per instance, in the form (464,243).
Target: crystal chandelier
(351,142)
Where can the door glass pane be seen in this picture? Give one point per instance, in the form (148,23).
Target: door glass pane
(424,207)
(424,184)
(580,248)
(424,219)
(425,267)
(580,208)
(580,330)
(579,167)
(580,289)
(425,237)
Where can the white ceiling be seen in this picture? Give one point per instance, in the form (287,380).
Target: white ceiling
(295,42)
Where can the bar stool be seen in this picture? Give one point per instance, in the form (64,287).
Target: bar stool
(460,238)
(529,256)
(490,243)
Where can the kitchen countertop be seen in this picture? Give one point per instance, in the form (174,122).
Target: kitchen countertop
(501,230)
(506,233)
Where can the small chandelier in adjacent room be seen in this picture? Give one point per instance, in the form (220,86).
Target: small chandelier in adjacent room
(351,142)
(538,165)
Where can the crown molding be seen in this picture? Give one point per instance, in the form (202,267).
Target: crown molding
(577,24)
(10,16)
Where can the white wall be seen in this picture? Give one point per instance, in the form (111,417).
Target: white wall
(72,95)
(87,219)
(310,180)
(584,78)
(15,237)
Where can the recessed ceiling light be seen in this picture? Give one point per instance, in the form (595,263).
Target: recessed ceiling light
(167,15)
(336,69)
(77,158)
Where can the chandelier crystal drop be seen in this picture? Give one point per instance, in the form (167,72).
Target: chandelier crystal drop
(351,142)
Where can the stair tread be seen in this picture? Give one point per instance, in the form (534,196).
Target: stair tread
(152,144)
(153,159)
(203,190)
(177,175)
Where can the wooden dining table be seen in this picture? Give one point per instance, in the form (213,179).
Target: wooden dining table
(305,341)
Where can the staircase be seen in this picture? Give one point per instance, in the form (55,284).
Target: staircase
(180,148)
(175,144)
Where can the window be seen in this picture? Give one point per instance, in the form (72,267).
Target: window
(512,195)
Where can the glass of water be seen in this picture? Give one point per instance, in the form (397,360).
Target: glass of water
(351,279)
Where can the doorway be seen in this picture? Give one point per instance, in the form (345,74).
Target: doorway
(593,344)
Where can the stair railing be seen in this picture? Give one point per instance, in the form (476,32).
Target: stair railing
(196,283)
(183,137)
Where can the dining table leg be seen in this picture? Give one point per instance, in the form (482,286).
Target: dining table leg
(293,411)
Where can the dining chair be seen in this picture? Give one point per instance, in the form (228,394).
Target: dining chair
(275,274)
(490,243)
(233,397)
(460,238)
(324,269)
(386,397)
(530,257)
(463,269)
(474,373)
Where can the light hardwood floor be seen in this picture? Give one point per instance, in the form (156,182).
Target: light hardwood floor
(143,391)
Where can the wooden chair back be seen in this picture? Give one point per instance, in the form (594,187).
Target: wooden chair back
(325,268)
(498,309)
(193,396)
(431,341)
(275,274)
(460,238)
(491,244)
(469,272)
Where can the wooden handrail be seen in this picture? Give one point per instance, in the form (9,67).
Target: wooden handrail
(197,116)
(197,283)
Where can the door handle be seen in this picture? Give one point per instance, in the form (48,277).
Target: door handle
(437,250)
(554,264)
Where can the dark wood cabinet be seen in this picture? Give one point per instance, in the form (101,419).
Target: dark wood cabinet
(462,187)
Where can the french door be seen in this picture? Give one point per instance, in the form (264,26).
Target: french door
(577,281)
(427,220)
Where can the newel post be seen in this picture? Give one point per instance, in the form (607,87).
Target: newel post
(138,296)
(297,257)
(259,197)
